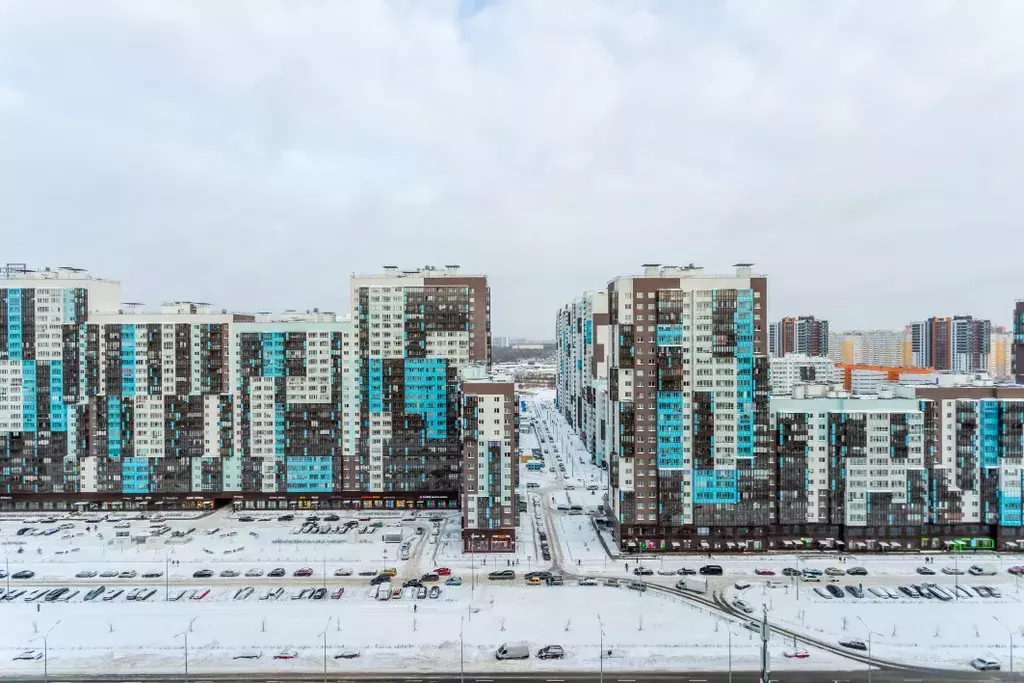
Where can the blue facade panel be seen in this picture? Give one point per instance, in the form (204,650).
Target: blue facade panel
(309,474)
(29,389)
(988,433)
(715,486)
(375,391)
(670,430)
(426,391)
(669,335)
(13,304)
(128,360)
(113,427)
(279,430)
(273,353)
(134,475)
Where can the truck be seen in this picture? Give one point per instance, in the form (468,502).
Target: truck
(392,535)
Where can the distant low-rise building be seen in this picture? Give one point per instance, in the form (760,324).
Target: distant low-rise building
(800,369)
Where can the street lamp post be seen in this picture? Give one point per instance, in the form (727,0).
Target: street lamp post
(600,654)
(1011,643)
(324,634)
(46,651)
(185,635)
(956,576)
(462,651)
(167,577)
(870,633)
(729,628)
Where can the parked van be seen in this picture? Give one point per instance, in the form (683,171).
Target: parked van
(983,570)
(384,591)
(513,651)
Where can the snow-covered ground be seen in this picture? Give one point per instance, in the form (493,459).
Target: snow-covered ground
(641,630)
(924,632)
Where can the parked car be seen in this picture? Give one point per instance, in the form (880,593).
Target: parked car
(551,652)
(686,571)
(443,571)
(854,644)
(855,591)
(421,592)
(429,577)
(834,571)
(555,580)
(985,664)
(790,571)
(85,574)
(254,573)
(276,573)
(612,582)
(741,585)
(286,518)
(534,581)
(130,574)
(513,651)
(29,655)
(152,575)
(712,570)
(249,654)
(503,575)
(203,574)
(743,606)
(764,572)
(543,576)
(587,582)
(643,571)
(857,571)
(379,579)
(637,586)
(822,592)
(337,594)
(108,574)
(453,581)
(228,574)
(318,594)
(344,571)
(286,653)
(795,653)
(304,572)
(834,591)
(246,518)
(346,653)
(925,571)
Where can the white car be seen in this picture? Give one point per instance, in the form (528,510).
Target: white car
(254,572)
(29,655)
(249,654)
(796,653)
(741,585)
(344,571)
(287,654)
(743,606)
(588,582)
(980,663)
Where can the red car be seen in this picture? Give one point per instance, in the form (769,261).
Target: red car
(305,571)
(201,594)
(443,571)
(286,654)
(764,572)
(1016,569)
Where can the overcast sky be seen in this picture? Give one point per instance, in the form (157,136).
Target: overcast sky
(868,157)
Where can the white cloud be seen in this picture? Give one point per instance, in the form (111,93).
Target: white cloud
(866,158)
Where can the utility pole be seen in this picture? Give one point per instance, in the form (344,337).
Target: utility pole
(600,654)
(462,650)
(185,634)
(324,634)
(765,635)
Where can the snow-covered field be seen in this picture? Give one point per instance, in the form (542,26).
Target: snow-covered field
(641,630)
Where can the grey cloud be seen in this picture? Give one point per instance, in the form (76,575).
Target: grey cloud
(866,157)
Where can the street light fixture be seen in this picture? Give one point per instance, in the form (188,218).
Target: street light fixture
(185,635)
(462,650)
(324,634)
(729,628)
(600,654)
(1011,643)
(46,651)
(870,633)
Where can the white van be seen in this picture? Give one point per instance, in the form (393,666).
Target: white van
(513,651)
(983,570)
(384,591)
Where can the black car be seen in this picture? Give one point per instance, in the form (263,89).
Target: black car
(543,576)
(789,571)
(332,518)
(431,576)
(647,571)
(305,571)
(686,571)
(377,580)
(857,571)
(23,574)
(927,571)
(855,591)
(555,580)
(414,583)
(503,575)
(551,652)
(286,518)
(712,570)
(246,518)
(371,572)
(152,575)
(836,591)
(906,591)
(854,644)
(203,574)
(276,573)
(318,594)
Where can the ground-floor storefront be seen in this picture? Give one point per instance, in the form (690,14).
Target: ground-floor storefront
(489,540)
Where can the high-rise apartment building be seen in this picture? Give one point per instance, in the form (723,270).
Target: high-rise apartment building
(1000,359)
(804,335)
(105,405)
(691,454)
(490,468)
(796,369)
(868,347)
(582,390)
(416,330)
(960,344)
(1018,342)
